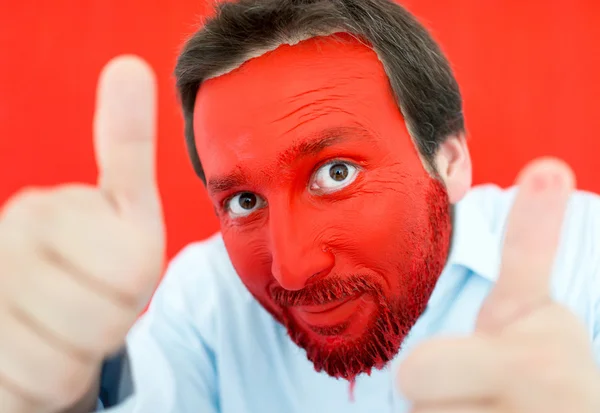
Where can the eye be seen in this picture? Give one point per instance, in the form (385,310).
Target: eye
(244,204)
(334,176)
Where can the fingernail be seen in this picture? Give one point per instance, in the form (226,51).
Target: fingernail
(558,180)
(540,182)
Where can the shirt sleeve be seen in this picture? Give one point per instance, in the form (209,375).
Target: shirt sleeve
(594,228)
(169,366)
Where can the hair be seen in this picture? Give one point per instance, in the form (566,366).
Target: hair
(420,75)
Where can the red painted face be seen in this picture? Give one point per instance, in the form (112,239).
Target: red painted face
(327,212)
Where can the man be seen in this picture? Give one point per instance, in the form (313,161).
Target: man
(355,270)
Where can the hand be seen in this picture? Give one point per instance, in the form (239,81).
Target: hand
(78,263)
(528,354)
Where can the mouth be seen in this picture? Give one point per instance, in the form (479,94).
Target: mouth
(330,314)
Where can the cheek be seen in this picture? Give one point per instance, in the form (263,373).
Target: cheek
(382,227)
(384,224)
(250,256)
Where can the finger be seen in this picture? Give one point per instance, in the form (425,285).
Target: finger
(62,307)
(452,371)
(36,368)
(125,133)
(459,408)
(11,401)
(532,235)
(74,229)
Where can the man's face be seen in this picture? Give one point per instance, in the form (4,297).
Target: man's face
(327,212)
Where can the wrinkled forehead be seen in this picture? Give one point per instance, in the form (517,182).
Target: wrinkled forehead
(317,83)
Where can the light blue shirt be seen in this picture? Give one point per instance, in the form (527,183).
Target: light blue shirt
(206,346)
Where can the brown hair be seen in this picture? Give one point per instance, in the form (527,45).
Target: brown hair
(420,75)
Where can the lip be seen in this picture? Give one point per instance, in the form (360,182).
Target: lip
(329,314)
(320,309)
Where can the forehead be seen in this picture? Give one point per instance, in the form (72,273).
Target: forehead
(287,95)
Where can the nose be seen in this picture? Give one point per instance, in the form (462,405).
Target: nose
(298,251)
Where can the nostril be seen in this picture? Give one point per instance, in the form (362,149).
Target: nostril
(295,266)
(318,276)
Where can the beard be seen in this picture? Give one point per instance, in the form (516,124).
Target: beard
(343,357)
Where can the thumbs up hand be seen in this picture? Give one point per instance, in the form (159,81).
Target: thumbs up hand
(78,263)
(528,353)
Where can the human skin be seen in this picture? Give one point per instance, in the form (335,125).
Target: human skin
(328,213)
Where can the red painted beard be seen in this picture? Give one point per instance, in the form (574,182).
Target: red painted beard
(327,212)
(393,317)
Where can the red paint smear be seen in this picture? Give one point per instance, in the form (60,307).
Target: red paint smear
(386,234)
(396,311)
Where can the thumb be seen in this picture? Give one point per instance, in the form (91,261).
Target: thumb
(531,240)
(125,134)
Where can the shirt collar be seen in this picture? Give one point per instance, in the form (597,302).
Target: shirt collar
(475,246)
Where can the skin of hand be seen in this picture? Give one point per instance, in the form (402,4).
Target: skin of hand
(528,354)
(79,262)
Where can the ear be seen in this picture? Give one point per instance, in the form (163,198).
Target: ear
(453,164)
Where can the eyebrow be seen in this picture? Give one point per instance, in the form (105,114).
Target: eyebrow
(301,149)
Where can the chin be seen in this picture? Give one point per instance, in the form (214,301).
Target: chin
(368,339)
(349,326)
(345,356)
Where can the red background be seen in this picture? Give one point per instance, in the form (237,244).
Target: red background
(528,71)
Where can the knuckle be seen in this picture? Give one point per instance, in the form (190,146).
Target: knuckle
(71,383)
(111,336)
(141,266)
(75,188)
(17,258)
(81,197)
(114,344)
(39,204)
(415,371)
(542,365)
(28,204)
(419,359)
